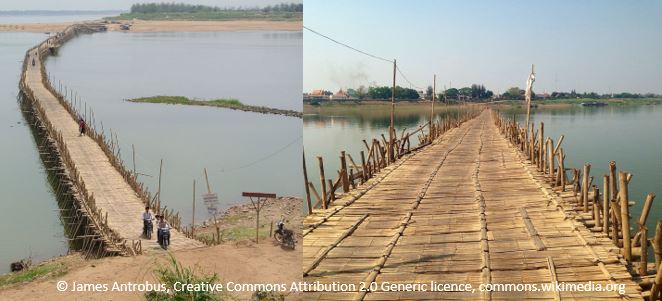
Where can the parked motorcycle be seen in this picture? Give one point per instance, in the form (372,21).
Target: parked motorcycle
(285,237)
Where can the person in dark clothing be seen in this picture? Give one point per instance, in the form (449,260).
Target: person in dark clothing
(81,126)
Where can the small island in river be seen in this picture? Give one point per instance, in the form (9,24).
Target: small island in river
(231,103)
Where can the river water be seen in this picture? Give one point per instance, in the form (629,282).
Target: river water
(242,151)
(630,135)
(29,220)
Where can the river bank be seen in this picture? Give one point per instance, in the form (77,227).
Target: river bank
(237,259)
(166,26)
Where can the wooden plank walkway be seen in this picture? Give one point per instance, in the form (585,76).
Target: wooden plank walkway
(466,209)
(111,192)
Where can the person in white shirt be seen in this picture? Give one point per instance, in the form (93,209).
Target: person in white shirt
(147,222)
(162,227)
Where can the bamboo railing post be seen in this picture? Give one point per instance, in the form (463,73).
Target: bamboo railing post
(657,286)
(657,245)
(643,260)
(322,181)
(550,158)
(193,212)
(305,184)
(344,173)
(363,168)
(587,170)
(332,193)
(625,216)
(605,204)
(596,208)
(541,154)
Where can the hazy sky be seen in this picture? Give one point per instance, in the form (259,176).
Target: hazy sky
(119,4)
(602,46)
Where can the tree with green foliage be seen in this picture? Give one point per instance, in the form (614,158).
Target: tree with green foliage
(512,93)
(452,93)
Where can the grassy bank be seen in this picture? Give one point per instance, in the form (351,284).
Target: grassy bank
(212,16)
(231,103)
(46,270)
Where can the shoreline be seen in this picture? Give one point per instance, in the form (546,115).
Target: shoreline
(164,26)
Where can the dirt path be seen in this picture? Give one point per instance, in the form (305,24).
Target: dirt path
(238,263)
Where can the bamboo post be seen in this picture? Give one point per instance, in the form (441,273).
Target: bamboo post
(158,193)
(363,167)
(643,260)
(657,245)
(657,285)
(541,145)
(133,149)
(646,210)
(322,182)
(596,208)
(343,172)
(625,217)
(550,158)
(605,204)
(305,183)
(587,169)
(193,213)
(392,127)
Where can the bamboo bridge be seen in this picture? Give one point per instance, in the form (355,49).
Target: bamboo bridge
(101,200)
(481,201)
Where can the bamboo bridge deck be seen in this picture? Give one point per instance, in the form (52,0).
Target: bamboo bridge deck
(466,209)
(112,194)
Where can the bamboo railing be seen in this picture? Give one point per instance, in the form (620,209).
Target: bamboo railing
(605,213)
(354,174)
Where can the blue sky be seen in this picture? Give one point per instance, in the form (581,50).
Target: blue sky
(119,4)
(602,46)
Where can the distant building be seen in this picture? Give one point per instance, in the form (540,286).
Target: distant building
(340,95)
(317,94)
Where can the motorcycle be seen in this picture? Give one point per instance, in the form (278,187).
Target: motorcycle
(147,229)
(285,237)
(164,238)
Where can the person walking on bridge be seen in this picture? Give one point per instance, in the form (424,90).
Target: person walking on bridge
(81,126)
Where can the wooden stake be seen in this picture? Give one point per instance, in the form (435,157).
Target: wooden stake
(587,170)
(322,182)
(657,245)
(605,204)
(305,183)
(133,149)
(625,216)
(193,217)
(643,260)
(392,127)
(344,173)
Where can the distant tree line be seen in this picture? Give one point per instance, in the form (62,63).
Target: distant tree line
(149,8)
(517,93)
(386,92)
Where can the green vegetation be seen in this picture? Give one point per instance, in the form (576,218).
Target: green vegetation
(576,101)
(385,93)
(181,11)
(239,233)
(229,103)
(46,270)
(175,272)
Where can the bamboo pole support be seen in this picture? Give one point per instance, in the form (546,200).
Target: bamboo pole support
(605,204)
(587,170)
(643,259)
(305,183)
(625,218)
(322,182)
(344,173)
(657,286)
(193,213)
(657,245)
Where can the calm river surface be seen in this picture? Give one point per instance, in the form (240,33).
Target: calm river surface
(630,135)
(242,151)
(29,220)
